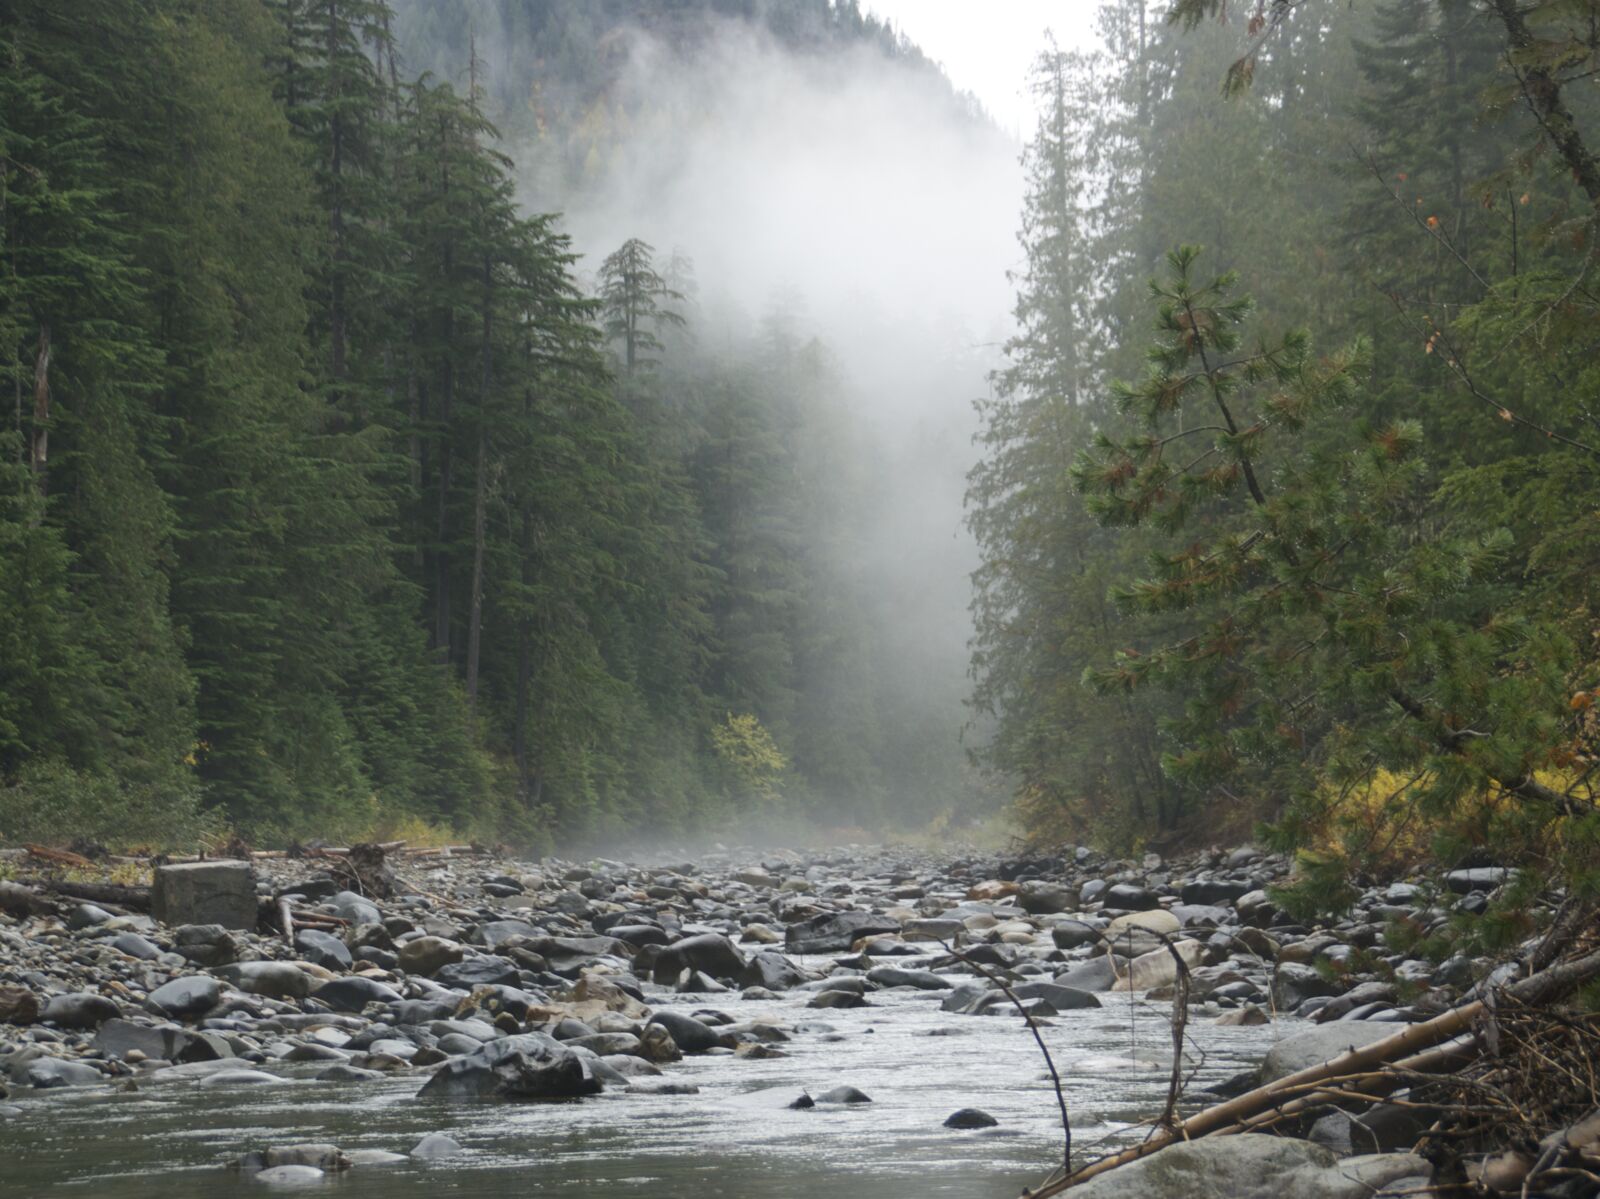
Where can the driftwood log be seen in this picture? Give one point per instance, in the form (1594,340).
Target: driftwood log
(118,894)
(1374,1070)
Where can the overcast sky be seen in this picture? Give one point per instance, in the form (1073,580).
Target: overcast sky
(988,46)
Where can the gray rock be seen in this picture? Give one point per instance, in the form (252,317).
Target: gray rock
(1097,974)
(833,932)
(711,953)
(485,971)
(895,976)
(354,993)
(837,999)
(771,970)
(1129,897)
(1214,891)
(1478,878)
(844,1094)
(1070,934)
(435,1147)
(48,1073)
(1251,1166)
(357,909)
(80,1009)
(970,1117)
(1318,1044)
(186,998)
(1294,982)
(206,944)
(428,955)
(279,980)
(1043,899)
(135,946)
(290,1176)
(119,1038)
(530,1066)
(221,892)
(323,949)
(689,1034)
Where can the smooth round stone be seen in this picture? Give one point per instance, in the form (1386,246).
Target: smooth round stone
(436,1146)
(970,1117)
(239,1078)
(290,1176)
(375,1157)
(185,998)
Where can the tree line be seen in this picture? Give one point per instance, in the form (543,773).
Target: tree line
(1286,492)
(330,499)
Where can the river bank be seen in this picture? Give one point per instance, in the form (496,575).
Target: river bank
(689,1009)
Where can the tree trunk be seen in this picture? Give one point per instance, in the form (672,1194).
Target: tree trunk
(40,452)
(475,615)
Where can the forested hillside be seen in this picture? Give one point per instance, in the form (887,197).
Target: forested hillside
(337,493)
(1286,492)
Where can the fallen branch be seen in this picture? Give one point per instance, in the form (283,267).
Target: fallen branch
(1403,1051)
(137,898)
(58,857)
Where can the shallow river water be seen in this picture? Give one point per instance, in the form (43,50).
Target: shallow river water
(736,1138)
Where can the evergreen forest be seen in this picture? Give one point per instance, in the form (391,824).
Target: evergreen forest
(341,494)
(339,497)
(1282,490)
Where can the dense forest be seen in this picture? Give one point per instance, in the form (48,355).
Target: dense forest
(1282,490)
(341,493)
(339,496)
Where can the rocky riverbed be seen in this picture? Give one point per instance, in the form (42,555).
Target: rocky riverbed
(781,1020)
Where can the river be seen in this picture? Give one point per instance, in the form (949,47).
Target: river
(736,1137)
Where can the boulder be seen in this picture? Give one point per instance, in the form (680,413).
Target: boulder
(710,953)
(484,971)
(845,1094)
(186,998)
(436,1146)
(323,949)
(1478,878)
(356,909)
(833,932)
(277,980)
(1293,983)
(529,1066)
(1043,899)
(354,993)
(1157,968)
(689,1034)
(427,955)
(771,970)
(970,1117)
(221,892)
(1128,897)
(80,1009)
(1251,1166)
(1097,974)
(48,1073)
(119,1038)
(206,944)
(896,976)
(1319,1044)
(1155,920)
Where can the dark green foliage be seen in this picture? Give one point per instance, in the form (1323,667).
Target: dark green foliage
(1365,587)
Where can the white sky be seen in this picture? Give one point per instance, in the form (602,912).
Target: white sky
(988,46)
